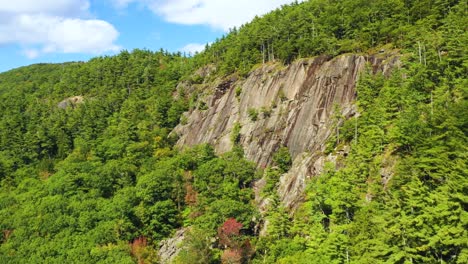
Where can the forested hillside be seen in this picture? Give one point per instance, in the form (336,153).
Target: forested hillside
(90,173)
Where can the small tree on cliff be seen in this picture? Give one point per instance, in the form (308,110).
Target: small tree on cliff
(237,249)
(229,233)
(283,159)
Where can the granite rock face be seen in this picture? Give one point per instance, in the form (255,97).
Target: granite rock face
(170,247)
(294,107)
(71,102)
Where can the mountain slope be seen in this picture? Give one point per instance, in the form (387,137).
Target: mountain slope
(295,107)
(356,154)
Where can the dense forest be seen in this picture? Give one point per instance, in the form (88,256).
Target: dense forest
(90,172)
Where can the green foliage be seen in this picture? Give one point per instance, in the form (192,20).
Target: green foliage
(157,185)
(159,219)
(253,114)
(318,27)
(238,92)
(223,191)
(266,112)
(272,176)
(197,79)
(202,106)
(235,133)
(82,183)
(197,249)
(283,159)
(399,195)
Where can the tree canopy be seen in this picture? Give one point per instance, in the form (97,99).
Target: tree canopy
(89,171)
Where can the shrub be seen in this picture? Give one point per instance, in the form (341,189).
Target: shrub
(238,92)
(197,79)
(235,133)
(253,114)
(282,159)
(229,232)
(202,106)
(266,112)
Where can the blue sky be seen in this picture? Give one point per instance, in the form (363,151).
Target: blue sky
(33,31)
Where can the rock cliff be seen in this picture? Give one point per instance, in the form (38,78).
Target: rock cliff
(281,106)
(170,248)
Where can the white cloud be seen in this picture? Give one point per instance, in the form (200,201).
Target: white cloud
(219,14)
(192,48)
(50,26)
(31,53)
(51,7)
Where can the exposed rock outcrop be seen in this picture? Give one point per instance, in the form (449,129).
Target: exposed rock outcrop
(71,102)
(170,247)
(294,105)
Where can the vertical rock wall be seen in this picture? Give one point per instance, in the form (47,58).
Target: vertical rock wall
(294,105)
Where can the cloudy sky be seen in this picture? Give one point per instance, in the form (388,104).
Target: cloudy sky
(33,31)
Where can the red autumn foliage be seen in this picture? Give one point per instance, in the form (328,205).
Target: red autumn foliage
(247,250)
(240,254)
(229,232)
(190,195)
(231,256)
(138,245)
(237,248)
(231,227)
